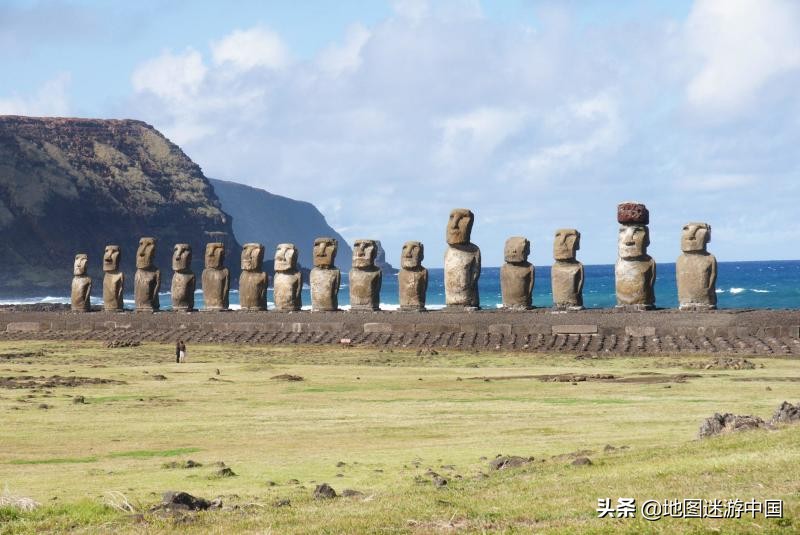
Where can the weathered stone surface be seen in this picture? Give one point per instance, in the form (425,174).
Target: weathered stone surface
(365,277)
(253,281)
(288,281)
(635,270)
(517,275)
(567,273)
(413,278)
(325,277)
(147,281)
(183,280)
(632,213)
(574,329)
(113,279)
(721,424)
(216,278)
(81,284)
(462,262)
(696,269)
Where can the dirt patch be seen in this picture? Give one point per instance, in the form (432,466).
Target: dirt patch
(22,355)
(723,363)
(287,377)
(30,381)
(114,344)
(643,378)
(770,379)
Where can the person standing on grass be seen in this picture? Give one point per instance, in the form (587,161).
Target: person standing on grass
(178,351)
(182,352)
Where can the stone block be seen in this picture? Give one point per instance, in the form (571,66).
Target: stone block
(640,330)
(377,327)
(500,328)
(23,326)
(574,329)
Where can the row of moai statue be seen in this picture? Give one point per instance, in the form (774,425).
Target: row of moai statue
(635,272)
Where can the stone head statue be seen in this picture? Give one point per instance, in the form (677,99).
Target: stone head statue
(252,256)
(111,258)
(566,244)
(215,255)
(459,227)
(79,267)
(517,249)
(633,241)
(182,257)
(145,253)
(412,255)
(364,253)
(325,252)
(285,257)
(695,237)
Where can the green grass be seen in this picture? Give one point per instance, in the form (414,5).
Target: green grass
(389,416)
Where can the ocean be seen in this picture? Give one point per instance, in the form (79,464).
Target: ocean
(759,284)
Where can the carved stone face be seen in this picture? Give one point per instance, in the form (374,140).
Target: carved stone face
(364,253)
(325,252)
(252,256)
(215,255)
(459,227)
(182,257)
(566,244)
(79,267)
(145,253)
(285,257)
(111,258)
(517,249)
(633,241)
(695,237)
(412,255)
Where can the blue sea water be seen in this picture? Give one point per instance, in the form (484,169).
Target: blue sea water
(762,284)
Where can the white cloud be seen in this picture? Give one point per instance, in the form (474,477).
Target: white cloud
(172,77)
(51,99)
(741,46)
(715,182)
(533,127)
(248,49)
(345,57)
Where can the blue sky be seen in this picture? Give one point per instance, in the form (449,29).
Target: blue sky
(386,115)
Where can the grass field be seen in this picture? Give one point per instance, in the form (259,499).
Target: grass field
(386,418)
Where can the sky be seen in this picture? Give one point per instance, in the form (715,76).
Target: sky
(536,115)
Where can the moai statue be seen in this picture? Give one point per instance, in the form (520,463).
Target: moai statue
(147,281)
(365,277)
(517,275)
(462,263)
(81,284)
(113,280)
(696,269)
(325,277)
(413,278)
(253,280)
(183,280)
(567,273)
(288,281)
(635,271)
(216,278)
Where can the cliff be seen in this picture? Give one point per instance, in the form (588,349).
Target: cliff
(75,185)
(263,217)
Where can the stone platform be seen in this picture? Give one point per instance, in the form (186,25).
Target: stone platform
(750,332)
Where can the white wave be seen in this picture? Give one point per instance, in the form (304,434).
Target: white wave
(736,290)
(720,291)
(760,291)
